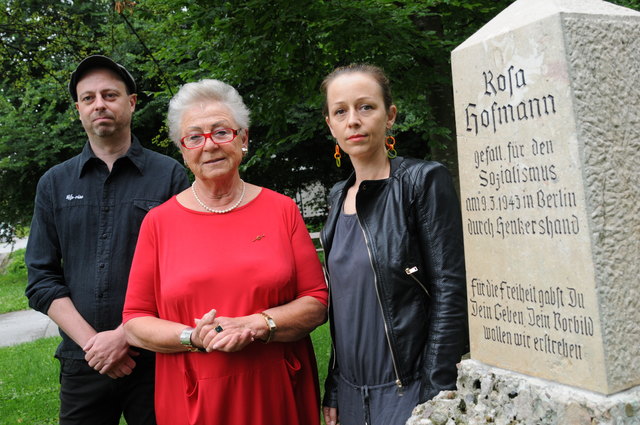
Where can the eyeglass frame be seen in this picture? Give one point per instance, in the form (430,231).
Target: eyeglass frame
(210,136)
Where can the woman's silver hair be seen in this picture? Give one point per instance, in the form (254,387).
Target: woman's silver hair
(206,90)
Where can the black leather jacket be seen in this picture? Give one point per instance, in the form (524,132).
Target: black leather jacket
(413,232)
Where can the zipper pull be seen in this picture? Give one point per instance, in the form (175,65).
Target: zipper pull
(411,270)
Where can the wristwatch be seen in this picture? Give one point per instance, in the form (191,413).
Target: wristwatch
(272,326)
(185,339)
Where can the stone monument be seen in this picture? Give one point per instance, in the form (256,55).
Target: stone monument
(547,100)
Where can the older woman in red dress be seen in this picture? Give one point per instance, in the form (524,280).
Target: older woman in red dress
(225,284)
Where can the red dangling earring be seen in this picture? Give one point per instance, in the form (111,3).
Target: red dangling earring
(391,147)
(337,155)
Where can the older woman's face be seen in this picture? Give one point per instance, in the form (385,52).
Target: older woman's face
(211,161)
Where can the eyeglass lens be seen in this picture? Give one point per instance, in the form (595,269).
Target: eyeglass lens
(221,135)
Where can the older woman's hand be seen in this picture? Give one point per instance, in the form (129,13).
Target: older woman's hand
(225,333)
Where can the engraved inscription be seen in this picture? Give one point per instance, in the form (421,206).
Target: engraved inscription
(521,180)
(500,114)
(521,197)
(531,316)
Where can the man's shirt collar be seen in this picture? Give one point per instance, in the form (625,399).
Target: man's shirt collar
(135,155)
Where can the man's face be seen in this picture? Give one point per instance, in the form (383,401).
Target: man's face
(104,106)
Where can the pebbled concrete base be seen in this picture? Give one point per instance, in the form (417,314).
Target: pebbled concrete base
(489,395)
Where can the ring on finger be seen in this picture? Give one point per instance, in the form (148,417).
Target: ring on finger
(218,329)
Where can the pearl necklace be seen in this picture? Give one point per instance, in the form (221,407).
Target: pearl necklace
(211,210)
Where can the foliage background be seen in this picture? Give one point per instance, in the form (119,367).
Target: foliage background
(275,52)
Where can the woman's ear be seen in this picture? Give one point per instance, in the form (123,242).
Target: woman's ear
(391,116)
(184,160)
(326,119)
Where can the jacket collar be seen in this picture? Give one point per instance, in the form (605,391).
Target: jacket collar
(396,164)
(339,192)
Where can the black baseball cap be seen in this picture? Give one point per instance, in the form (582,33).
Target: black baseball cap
(99,61)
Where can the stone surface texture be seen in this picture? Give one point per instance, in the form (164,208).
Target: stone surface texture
(524,12)
(547,99)
(604,57)
(489,395)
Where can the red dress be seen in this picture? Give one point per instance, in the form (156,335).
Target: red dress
(256,257)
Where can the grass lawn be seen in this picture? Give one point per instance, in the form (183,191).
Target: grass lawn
(29,383)
(13,280)
(322,346)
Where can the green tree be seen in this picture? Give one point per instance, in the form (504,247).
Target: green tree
(41,42)
(275,52)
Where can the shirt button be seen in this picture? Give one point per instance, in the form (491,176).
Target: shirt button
(101,266)
(105,209)
(103,236)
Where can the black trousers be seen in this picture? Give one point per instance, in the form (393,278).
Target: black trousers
(86,397)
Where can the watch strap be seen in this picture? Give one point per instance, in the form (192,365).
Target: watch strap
(271,324)
(185,340)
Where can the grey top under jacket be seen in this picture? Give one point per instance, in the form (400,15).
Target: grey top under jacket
(360,341)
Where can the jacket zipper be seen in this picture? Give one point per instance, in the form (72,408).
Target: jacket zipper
(399,384)
(410,271)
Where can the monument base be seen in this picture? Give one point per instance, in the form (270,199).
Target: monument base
(489,395)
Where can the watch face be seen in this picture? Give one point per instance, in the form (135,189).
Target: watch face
(185,337)
(272,324)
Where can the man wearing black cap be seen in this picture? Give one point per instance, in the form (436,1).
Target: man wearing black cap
(87,215)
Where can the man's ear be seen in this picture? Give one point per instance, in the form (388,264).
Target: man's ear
(133,99)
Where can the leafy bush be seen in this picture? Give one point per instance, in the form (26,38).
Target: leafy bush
(16,264)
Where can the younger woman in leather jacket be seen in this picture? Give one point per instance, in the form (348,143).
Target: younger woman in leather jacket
(395,262)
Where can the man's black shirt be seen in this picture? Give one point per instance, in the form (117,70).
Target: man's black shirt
(84,231)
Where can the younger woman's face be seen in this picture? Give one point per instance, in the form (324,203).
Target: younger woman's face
(357,116)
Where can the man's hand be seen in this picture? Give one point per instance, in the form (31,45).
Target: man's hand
(330,415)
(108,353)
